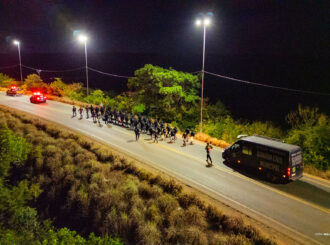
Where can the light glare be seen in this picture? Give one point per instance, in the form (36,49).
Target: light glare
(198,22)
(82,38)
(16,42)
(207,22)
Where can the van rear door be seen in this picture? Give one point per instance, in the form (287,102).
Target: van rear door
(296,165)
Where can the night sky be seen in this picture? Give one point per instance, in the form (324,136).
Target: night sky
(283,43)
(239,27)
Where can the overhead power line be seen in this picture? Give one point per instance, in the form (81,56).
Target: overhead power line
(108,74)
(267,86)
(54,71)
(8,67)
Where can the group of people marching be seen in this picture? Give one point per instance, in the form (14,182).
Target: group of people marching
(140,124)
(157,129)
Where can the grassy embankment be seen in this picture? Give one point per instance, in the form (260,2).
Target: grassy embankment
(90,188)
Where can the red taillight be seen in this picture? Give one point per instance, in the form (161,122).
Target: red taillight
(288,172)
(38,98)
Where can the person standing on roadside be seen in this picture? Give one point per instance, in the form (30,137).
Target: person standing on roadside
(86,109)
(74,111)
(137,133)
(208,157)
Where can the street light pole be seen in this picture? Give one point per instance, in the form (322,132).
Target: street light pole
(19,57)
(205,22)
(86,67)
(83,39)
(202,94)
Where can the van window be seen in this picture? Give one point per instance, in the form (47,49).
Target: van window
(247,150)
(235,146)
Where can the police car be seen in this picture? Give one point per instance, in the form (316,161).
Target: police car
(38,97)
(14,91)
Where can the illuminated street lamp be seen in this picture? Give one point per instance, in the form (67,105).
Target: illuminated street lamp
(83,39)
(15,42)
(205,22)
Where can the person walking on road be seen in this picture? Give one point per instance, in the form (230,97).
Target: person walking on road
(94,115)
(99,118)
(74,111)
(137,133)
(81,112)
(208,157)
(192,135)
(87,111)
(184,138)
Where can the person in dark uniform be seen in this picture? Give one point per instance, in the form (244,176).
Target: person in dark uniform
(81,112)
(175,132)
(184,138)
(106,117)
(208,157)
(156,132)
(151,131)
(137,133)
(172,135)
(74,111)
(102,109)
(87,111)
(168,130)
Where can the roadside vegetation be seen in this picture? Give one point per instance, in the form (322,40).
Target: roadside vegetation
(19,220)
(173,96)
(87,187)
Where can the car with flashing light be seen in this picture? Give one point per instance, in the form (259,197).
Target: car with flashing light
(38,97)
(14,90)
(272,158)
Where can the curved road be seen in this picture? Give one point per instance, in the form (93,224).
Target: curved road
(300,208)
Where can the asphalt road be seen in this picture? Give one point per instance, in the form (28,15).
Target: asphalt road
(300,209)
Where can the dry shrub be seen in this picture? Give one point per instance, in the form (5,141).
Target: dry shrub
(111,222)
(212,140)
(153,214)
(195,216)
(86,144)
(84,157)
(129,189)
(176,218)
(148,234)
(220,239)
(167,203)
(67,158)
(186,200)
(147,191)
(170,186)
(215,218)
(53,131)
(13,123)
(144,175)
(234,224)
(103,154)
(192,235)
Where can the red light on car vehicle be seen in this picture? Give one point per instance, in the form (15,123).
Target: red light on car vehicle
(13,86)
(38,98)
